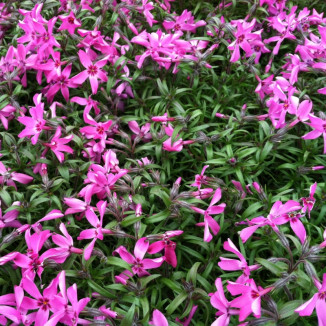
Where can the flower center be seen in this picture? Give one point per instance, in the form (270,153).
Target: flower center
(241,38)
(71,20)
(38,126)
(322,295)
(100,130)
(257,48)
(254,294)
(43,303)
(92,70)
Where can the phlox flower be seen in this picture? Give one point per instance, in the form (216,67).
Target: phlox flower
(228,264)
(200,179)
(209,223)
(249,300)
(319,126)
(139,264)
(309,202)
(69,23)
(158,319)
(219,302)
(34,124)
(9,177)
(168,246)
(58,145)
(93,71)
(317,301)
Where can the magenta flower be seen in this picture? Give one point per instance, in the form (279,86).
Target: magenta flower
(9,219)
(243,35)
(78,206)
(168,246)
(184,22)
(200,179)
(319,126)
(9,177)
(284,24)
(61,82)
(34,124)
(202,193)
(277,210)
(309,202)
(93,71)
(58,145)
(6,114)
(219,302)
(187,320)
(250,299)
(65,246)
(291,214)
(209,223)
(143,132)
(97,231)
(158,319)
(62,311)
(317,301)
(228,264)
(89,103)
(69,23)
(43,303)
(100,182)
(178,143)
(138,262)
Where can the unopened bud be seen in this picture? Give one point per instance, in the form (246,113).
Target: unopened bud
(284,241)
(310,270)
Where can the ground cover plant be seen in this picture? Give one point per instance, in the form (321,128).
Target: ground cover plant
(162,162)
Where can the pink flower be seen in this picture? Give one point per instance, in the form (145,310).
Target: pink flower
(250,299)
(9,177)
(209,223)
(6,114)
(309,202)
(163,118)
(58,145)
(317,301)
(158,319)
(184,22)
(290,214)
(187,320)
(138,262)
(228,264)
(69,23)
(93,71)
(319,126)
(143,132)
(200,179)
(65,246)
(34,124)
(168,246)
(278,210)
(243,35)
(177,144)
(43,303)
(96,232)
(9,219)
(219,302)
(61,82)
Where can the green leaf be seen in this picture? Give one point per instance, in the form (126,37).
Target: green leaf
(101,290)
(116,261)
(178,300)
(127,320)
(272,267)
(192,273)
(288,308)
